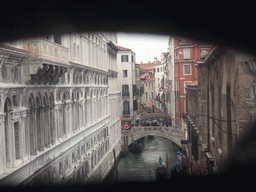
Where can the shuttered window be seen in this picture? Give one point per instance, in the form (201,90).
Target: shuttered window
(124,58)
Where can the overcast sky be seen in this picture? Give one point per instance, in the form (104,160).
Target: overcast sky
(146,46)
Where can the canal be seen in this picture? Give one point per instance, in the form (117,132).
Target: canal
(142,166)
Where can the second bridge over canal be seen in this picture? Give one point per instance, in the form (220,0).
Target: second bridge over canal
(128,136)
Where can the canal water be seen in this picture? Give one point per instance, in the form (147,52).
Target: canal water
(142,166)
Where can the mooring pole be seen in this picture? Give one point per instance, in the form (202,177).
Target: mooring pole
(167,163)
(114,153)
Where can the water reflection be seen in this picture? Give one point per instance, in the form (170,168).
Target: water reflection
(142,166)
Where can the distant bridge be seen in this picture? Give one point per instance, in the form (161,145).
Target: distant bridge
(154,115)
(128,136)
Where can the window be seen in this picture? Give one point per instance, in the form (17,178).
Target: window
(126,107)
(146,95)
(57,38)
(124,58)
(186,53)
(132,58)
(152,96)
(78,52)
(158,69)
(74,50)
(125,88)
(186,69)
(135,105)
(124,73)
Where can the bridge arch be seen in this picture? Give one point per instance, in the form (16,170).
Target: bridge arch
(128,136)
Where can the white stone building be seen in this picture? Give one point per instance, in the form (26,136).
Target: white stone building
(127,83)
(160,78)
(59,109)
(170,101)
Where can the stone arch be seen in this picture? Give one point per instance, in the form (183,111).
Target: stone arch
(77,96)
(45,99)
(52,119)
(31,124)
(85,94)
(173,135)
(31,101)
(64,114)
(45,121)
(8,131)
(73,111)
(38,100)
(38,123)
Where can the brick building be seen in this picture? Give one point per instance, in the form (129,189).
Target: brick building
(218,109)
(186,52)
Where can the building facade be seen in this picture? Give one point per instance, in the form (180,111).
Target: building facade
(218,108)
(60,113)
(147,79)
(160,78)
(170,92)
(127,83)
(186,52)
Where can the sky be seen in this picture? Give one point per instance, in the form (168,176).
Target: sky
(146,46)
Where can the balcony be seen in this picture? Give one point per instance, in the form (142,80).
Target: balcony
(48,61)
(126,113)
(125,94)
(47,51)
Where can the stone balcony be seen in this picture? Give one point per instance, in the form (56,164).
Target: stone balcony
(48,60)
(45,50)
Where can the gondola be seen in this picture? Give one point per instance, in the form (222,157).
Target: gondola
(136,147)
(161,170)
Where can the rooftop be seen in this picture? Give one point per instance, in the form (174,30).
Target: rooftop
(123,48)
(147,66)
(144,76)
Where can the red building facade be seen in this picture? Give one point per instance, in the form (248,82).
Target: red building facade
(186,52)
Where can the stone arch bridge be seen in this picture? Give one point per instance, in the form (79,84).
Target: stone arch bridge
(128,136)
(155,115)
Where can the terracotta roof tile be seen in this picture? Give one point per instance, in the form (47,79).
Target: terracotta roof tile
(123,48)
(144,76)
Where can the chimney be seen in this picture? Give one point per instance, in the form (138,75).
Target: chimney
(141,62)
(155,58)
(149,62)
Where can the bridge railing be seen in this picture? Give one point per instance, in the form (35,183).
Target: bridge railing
(140,129)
